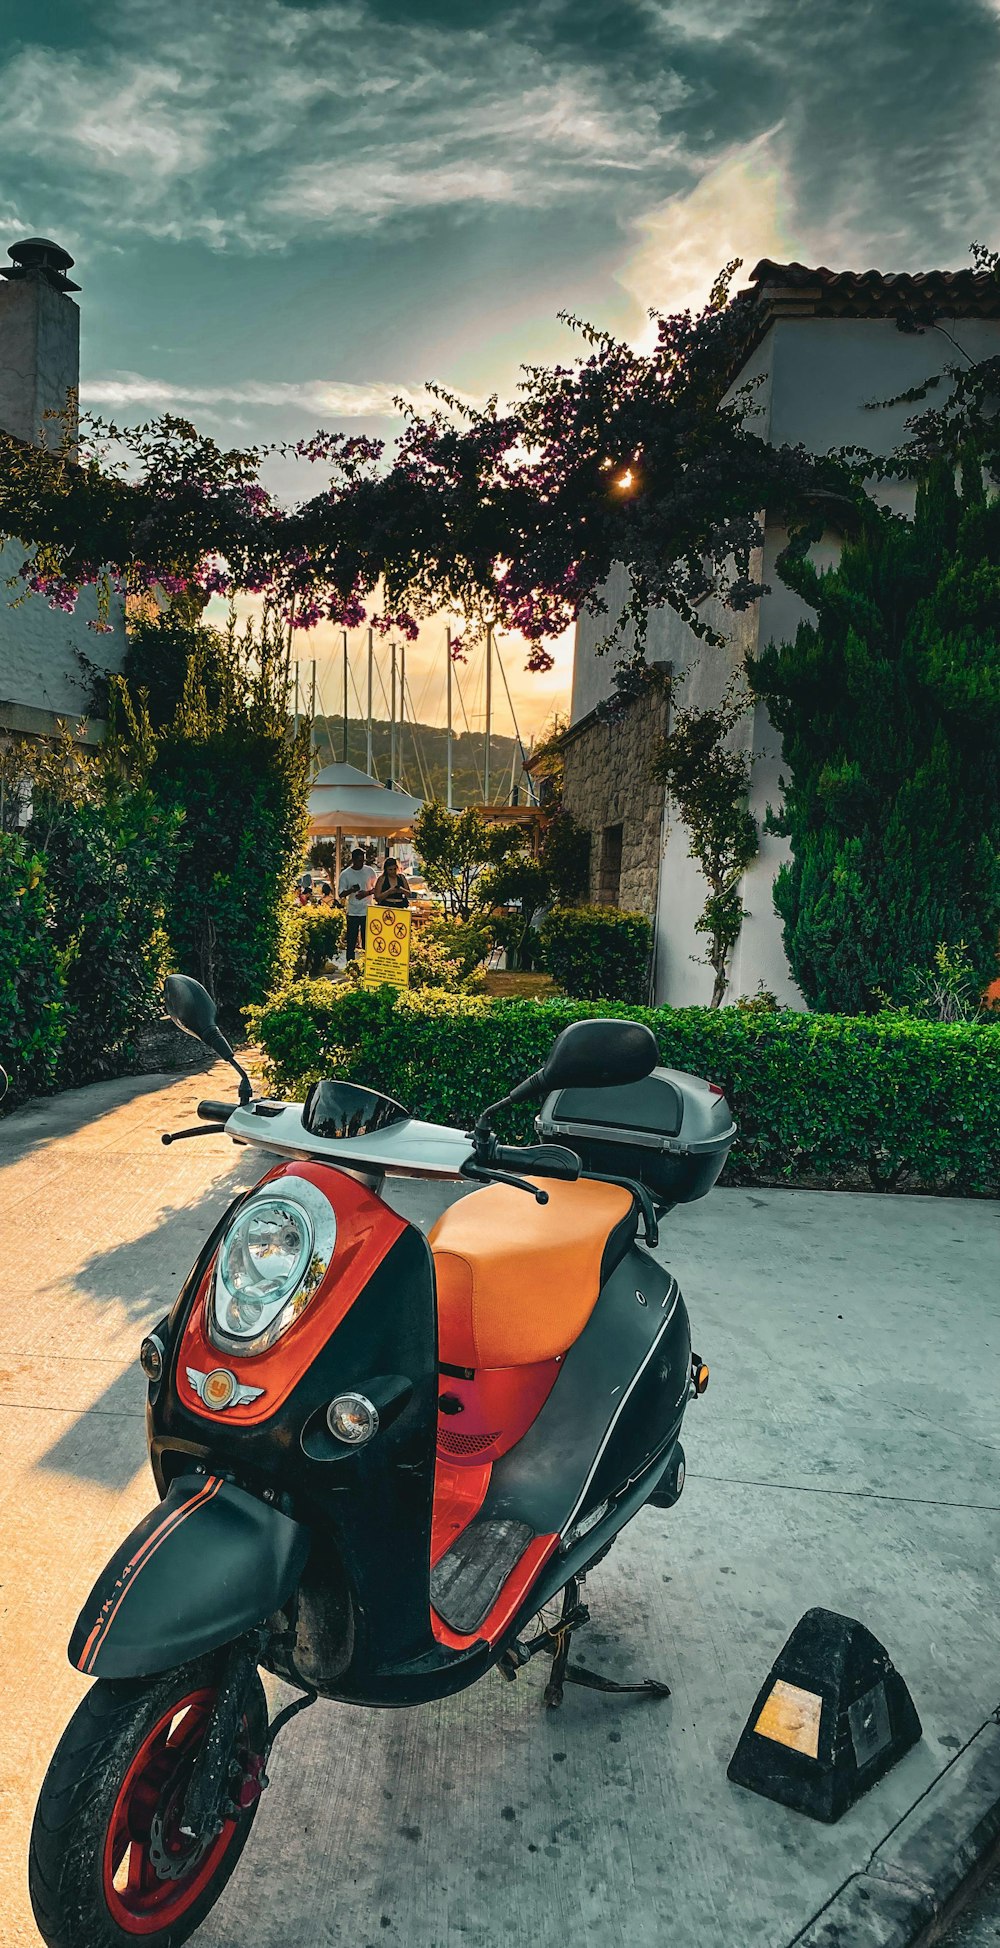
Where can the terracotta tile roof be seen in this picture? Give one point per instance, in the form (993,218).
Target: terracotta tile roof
(911,297)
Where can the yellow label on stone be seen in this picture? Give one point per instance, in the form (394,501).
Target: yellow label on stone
(387,947)
(791,1717)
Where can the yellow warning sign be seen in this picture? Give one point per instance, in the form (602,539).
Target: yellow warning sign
(387,947)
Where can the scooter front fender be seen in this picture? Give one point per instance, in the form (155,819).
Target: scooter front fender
(209,1563)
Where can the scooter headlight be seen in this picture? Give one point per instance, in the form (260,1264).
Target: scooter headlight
(270,1263)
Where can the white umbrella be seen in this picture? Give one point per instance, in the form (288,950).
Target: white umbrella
(344,799)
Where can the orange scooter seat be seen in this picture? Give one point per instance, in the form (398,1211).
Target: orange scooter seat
(517,1281)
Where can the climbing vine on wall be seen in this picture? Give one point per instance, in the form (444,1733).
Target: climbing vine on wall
(708,778)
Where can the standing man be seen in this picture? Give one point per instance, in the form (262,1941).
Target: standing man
(357,885)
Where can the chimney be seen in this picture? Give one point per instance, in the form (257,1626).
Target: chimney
(39,341)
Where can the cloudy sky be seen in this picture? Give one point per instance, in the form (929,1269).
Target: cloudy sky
(285,214)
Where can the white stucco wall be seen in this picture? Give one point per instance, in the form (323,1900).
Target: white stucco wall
(42,678)
(814,380)
(41,674)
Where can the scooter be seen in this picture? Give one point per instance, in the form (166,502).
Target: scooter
(379,1455)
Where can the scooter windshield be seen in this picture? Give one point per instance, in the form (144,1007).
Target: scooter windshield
(345,1109)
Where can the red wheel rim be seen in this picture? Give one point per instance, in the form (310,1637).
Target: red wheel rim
(143,1830)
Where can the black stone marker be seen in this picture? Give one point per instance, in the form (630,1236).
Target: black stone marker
(832,1717)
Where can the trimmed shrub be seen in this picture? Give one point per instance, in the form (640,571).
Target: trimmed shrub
(31,1013)
(318,934)
(597,952)
(838,1101)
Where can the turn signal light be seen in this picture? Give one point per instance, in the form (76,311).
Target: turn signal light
(352,1418)
(699,1375)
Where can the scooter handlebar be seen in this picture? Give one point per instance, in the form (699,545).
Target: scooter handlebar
(538,1160)
(210,1112)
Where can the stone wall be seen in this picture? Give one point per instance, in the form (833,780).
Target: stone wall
(607,785)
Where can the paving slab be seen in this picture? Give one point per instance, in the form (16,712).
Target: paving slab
(845,1454)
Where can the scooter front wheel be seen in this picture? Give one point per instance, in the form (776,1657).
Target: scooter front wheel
(110,1862)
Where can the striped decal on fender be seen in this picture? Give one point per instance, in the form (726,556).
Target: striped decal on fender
(144,1554)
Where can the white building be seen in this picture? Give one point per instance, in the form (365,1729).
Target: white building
(825,344)
(42,676)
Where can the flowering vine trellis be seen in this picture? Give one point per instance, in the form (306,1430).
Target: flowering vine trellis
(512,516)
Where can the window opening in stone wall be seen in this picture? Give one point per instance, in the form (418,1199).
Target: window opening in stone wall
(610,877)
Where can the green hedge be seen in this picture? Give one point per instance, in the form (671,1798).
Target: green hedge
(32,1023)
(598,951)
(836,1100)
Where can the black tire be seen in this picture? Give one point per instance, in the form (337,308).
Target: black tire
(81,1795)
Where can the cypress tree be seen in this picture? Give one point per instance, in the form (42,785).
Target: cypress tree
(888,706)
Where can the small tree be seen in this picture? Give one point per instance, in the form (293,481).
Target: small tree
(241,779)
(564,857)
(158,655)
(709,781)
(888,707)
(454,849)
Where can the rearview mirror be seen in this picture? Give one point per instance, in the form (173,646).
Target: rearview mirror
(192,1008)
(599,1054)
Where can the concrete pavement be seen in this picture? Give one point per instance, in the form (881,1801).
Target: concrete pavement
(845,1454)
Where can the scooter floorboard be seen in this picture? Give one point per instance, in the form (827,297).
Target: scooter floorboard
(468,1580)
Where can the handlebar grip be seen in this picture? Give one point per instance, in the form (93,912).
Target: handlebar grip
(540,1160)
(216,1112)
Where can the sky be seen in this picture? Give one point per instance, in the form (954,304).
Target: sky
(285,215)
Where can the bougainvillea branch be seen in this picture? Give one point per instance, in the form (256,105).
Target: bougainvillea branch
(513,516)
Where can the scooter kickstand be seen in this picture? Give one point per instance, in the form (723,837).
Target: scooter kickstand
(561,1635)
(563,1672)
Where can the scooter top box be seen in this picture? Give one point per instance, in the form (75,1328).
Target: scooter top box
(671,1131)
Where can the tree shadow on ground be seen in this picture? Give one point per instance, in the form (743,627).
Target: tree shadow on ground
(142,1277)
(46,1119)
(106,1444)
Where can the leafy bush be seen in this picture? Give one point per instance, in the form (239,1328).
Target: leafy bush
(109,871)
(598,952)
(465,941)
(948,990)
(108,851)
(31,1014)
(318,934)
(436,963)
(834,1100)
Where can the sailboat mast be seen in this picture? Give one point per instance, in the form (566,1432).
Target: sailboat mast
(392,720)
(344,634)
(368,747)
(449,795)
(489,712)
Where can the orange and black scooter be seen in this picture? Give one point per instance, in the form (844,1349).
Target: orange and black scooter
(378,1455)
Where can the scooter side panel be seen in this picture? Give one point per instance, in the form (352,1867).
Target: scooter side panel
(209,1563)
(618,1399)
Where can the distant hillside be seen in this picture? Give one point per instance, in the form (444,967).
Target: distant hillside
(422,760)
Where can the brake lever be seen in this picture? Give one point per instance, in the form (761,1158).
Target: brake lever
(200,1129)
(483,1175)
